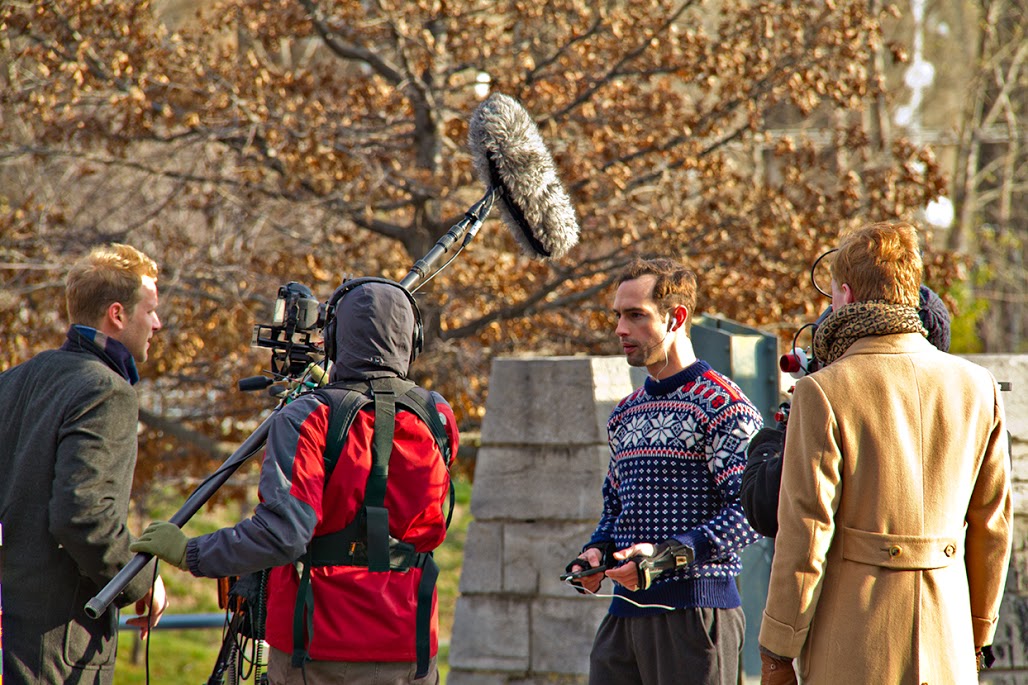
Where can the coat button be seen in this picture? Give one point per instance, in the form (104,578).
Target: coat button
(895,551)
(950,550)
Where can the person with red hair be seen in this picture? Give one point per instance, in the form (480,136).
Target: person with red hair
(895,520)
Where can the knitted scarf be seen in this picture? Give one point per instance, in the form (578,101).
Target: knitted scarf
(860,319)
(112,351)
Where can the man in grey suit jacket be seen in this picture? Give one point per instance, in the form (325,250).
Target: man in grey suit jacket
(67,454)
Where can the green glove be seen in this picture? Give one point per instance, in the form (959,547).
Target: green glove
(165,541)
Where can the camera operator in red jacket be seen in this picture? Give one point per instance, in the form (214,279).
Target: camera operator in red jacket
(361,623)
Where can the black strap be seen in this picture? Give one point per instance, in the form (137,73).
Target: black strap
(304,607)
(422,407)
(342,414)
(345,548)
(344,403)
(377,517)
(423,622)
(344,409)
(408,396)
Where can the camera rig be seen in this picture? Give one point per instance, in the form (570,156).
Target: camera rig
(297,314)
(298,363)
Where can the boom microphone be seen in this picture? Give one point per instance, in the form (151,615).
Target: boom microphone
(509,155)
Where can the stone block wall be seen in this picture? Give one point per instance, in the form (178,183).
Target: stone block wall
(536,500)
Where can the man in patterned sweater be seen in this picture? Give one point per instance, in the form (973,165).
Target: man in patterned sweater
(672,524)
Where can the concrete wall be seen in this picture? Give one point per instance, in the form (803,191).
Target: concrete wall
(535,502)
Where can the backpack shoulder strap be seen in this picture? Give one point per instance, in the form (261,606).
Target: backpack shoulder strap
(346,399)
(384,391)
(418,401)
(344,402)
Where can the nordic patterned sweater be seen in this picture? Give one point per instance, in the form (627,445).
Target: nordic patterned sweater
(678,450)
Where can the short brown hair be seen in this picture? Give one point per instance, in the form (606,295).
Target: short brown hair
(108,274)
(881,261)
(675,285)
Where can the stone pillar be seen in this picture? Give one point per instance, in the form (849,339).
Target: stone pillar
(535,502)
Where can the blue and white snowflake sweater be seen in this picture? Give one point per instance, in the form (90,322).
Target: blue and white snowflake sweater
(678,449)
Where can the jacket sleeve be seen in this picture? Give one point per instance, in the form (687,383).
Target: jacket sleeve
(761,482)
(419,492)
(989,530)
(811,474)
(283,523)
(88,507)
(449,422)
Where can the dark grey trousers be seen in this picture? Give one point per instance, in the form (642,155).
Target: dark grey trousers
(698,646)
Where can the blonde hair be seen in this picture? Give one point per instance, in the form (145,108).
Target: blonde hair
(881,261)
(108,274)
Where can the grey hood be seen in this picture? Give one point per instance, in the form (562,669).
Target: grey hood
(374,331)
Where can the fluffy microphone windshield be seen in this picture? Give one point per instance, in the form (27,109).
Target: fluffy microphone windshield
(509,155)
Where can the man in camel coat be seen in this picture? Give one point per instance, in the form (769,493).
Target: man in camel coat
(895,512)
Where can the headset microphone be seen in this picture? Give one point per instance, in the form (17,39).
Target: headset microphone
(658,344)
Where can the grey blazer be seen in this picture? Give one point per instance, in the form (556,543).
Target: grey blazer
(68,439)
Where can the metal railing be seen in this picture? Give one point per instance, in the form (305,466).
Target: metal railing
(179,621)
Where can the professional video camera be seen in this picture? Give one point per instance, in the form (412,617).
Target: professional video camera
(297,313)
(294,355)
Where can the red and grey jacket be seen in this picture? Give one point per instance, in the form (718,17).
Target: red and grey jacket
(359,615)
(349,612)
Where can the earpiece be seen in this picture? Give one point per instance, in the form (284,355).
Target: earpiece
(673,324)
(329,335)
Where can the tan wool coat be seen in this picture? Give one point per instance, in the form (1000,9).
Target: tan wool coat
(894,518)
